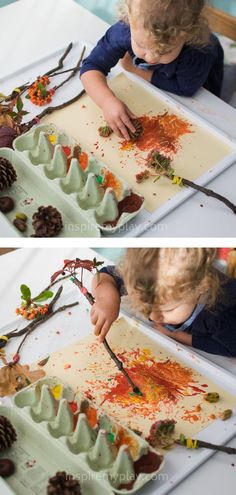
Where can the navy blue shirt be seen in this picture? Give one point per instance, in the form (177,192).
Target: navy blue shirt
(213,330)
(192,69)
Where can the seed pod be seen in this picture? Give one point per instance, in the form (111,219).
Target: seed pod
(6,204)
(20,224)
(212,397)
(21,216)
(226,414)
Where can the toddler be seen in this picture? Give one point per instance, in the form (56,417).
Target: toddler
(178,289)
(166,42)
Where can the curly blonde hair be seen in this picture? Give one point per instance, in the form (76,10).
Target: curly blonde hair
(169,20)
(157,276)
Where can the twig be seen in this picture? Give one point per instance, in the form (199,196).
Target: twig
(74,72)
(118,363)
(50,110)
(40,319)
(207,445)
(61,61)
(211,193)
(59,66)
(46,317)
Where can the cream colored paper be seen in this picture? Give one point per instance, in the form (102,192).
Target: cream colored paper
(168,386)
(199,151)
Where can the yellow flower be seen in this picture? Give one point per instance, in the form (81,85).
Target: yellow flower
(16,90)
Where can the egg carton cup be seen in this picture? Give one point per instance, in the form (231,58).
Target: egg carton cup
(71,425)
(42,149)
(30,191)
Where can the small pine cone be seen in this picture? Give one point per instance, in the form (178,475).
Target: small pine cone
(139,130)
(47,222)
(7,434)
(105,131)
(7,174)
(63,484)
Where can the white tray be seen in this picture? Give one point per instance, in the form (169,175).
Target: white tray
(144,220)
(178,463)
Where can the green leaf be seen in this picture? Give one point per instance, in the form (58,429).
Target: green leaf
(27,97)
(47,294)
(157,178)
(25,292)
(19,104)
(41,86)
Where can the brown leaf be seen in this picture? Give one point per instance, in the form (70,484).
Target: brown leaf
(14,377)
(6,120)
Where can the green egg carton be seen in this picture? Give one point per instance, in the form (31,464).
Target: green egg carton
(30,191)
(86,187)
(63,431)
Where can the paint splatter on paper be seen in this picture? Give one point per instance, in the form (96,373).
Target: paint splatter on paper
(171,389)
(162,132)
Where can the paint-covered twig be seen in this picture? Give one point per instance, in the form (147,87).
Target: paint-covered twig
(113,356)
(191,443)
(162,167)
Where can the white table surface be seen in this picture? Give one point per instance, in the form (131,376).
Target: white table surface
(34,267)
(32,28)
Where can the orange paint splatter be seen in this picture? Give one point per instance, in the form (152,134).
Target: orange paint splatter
(67,366)
(212,416)
(191,416)
(160,131)
(160,382)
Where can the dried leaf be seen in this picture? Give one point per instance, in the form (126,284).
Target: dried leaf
(14,377)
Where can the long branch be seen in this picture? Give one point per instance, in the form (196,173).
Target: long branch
(113,356)
(211,193)
(50,110)
(207,445)
(75,70)
(46,317)
(59,66)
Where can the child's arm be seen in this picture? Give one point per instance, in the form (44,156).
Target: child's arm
(115,112)
(106,308)
(188,73)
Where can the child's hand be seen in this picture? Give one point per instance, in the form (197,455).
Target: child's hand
(103,314)
(118,117)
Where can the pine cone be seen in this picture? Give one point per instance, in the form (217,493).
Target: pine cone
(7,433)
(139,130)
(63,484)
(7,173)
(47,222)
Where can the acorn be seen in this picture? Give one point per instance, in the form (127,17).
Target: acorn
(7,468)
(212,397)
(6,204)
(20,224)
(226,414)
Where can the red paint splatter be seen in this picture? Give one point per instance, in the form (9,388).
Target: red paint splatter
(160,131)
(67,366)
(160,382)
